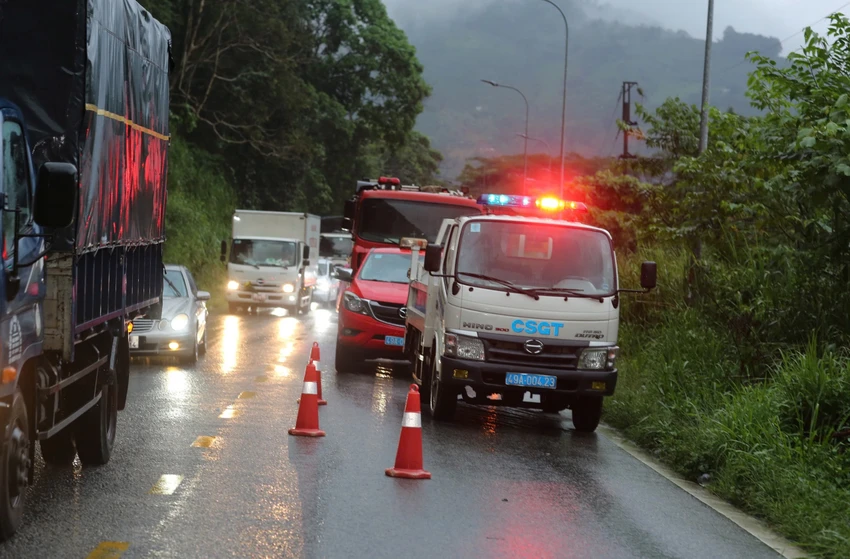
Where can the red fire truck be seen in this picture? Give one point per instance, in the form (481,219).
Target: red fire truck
(384,211)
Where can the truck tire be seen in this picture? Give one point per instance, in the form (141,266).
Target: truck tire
(442,400)
(95,430)
(14,467)
(586,413)
(59,449)
(346,361)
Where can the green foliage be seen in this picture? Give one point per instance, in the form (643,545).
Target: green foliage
(198,215)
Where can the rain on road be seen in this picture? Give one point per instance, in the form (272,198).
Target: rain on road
(204,467)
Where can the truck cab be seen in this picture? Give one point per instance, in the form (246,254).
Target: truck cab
(519,311)
(384,211)
(273,260)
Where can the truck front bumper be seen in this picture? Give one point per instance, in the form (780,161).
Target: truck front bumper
(482,375)
(263,299)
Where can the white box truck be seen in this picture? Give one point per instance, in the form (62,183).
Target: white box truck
(273,260)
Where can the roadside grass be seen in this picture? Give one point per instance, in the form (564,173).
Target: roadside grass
(774,444)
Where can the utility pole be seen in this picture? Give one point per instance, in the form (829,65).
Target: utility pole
(706,79)
(626,95)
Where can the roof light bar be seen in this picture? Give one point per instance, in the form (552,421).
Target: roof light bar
(410,242)
(546,203)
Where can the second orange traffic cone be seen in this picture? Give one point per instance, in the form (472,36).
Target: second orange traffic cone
(307,424)
(315,356)
(408,460)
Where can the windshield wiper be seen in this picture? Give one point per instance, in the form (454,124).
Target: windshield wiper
(566,291)
(172,286)
(510,286)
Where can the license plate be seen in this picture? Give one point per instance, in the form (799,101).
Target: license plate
(259,297)
(134,342)
(393,340)
(530,381)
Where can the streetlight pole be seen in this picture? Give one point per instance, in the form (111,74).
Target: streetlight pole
(706,79)
(525,149)
(544,142)
(564,102)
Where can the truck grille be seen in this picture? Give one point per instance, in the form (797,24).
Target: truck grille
(387,312)
(513,353)
(143,325)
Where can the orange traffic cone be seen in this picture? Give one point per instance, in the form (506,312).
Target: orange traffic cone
(408,460)
(307,424)
(315,356)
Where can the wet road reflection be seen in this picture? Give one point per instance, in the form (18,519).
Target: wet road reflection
(231,482)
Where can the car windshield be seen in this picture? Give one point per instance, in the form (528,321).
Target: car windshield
(542,257)
(390,268)
(335,247)
(174,285)
(258,252)
(387,221)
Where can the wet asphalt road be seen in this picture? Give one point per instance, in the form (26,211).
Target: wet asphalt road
(506,483)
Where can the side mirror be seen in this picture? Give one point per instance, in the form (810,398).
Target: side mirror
(346,224)
(203,296)
(348,210)
(433,255)
(224,251)
(306,262)
(343,274)
(648,275)
(55,203)
(305,253)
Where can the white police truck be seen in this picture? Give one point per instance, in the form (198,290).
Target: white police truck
(517,310)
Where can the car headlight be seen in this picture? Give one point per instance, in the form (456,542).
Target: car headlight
(288,288)
(463,347)
(180,322)
(598,359)
(355,304)
(232,285)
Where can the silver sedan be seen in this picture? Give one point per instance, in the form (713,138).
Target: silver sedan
(182,330)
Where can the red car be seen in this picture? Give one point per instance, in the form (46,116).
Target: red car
(372,309)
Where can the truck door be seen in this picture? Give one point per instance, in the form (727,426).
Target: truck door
(21,327)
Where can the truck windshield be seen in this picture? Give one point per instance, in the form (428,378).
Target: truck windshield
(173,284)
(389,268)
(387,221)
(539,257)
(335,247)
(259,252)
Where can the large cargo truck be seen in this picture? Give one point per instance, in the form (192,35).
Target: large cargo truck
(84,106)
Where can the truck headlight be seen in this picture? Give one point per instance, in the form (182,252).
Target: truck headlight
(232,285)
(463,347)
(598,359)
(180,322)
(354,303)
(288,288)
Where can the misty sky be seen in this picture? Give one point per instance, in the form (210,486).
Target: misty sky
(778,18)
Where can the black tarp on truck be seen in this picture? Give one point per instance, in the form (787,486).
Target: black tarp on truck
(83,163)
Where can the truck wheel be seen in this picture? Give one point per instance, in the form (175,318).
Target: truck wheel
(586,413)
(346,361)
(59,449)
(14,467)
(443,400)
(95,432)
(424,377)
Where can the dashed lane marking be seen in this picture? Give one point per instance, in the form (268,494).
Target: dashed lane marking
(109,550)
(261,379)
(245,395)
(230,412)
(204,442)
(166,485)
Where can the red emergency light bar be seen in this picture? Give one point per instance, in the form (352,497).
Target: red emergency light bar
(388,180)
